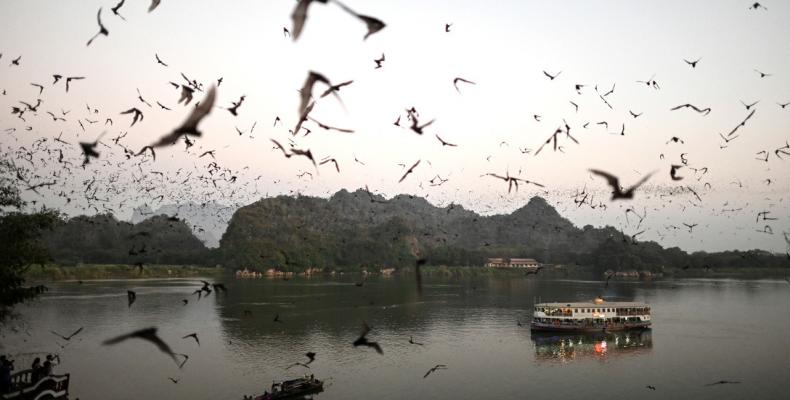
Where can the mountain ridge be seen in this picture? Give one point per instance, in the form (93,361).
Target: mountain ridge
(359,229)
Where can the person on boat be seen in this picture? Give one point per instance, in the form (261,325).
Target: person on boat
(49,365)
(6,366)
(36,368)
(54,358)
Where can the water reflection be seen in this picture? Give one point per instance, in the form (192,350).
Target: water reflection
(565,347)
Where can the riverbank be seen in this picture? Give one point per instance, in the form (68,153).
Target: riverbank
(582,272)
(735,273)
(460,272)
(113,271)
(53,272)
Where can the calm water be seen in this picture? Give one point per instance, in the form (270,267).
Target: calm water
(704,331)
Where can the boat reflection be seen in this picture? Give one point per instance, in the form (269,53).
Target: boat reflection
(567,347)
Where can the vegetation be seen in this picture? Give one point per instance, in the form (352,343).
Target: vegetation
(359,230)
(19,244)
(296,233)
(102,239)
(52,272)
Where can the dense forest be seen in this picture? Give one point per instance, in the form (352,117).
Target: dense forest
(102,239)
(359,229)
(354,230)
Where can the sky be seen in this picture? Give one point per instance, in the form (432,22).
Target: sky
(503,47)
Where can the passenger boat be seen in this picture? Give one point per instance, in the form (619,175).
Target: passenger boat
(294,388)
(595,316)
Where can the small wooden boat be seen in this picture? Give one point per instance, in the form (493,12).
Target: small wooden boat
(293,388)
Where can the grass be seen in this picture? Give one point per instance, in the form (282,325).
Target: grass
(51,272)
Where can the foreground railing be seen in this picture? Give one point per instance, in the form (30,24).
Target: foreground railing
(48,387)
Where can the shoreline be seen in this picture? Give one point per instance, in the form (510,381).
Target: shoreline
(54,273)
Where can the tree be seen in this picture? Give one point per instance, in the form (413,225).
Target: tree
(19,244)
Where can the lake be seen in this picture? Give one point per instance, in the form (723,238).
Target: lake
(703,331)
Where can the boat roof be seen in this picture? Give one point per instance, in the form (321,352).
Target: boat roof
(590,304)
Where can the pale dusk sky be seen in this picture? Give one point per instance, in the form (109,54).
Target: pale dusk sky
(503,47)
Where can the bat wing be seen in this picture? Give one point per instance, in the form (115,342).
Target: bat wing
(276,143)
(189,127)
(154,5)
(121,338)
(299,16)
(76,332)
(98,18)
(642,181)
(307,89)
(376,346)
(612,180)
(373,24)
(200,112)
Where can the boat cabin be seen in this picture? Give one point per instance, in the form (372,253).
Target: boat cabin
(595,315)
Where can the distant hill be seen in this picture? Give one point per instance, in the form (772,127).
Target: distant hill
(207,221)
(358,229)
(102,239)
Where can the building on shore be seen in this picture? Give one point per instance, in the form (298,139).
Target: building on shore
(523,263)
(511,263)
(496,263)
